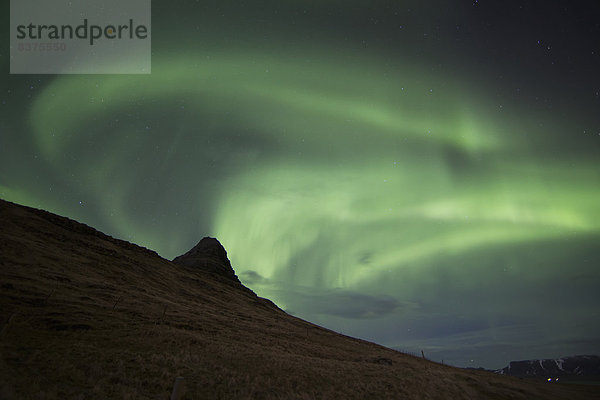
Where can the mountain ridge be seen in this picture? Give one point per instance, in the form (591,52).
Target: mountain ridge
(572,366)
(88,316)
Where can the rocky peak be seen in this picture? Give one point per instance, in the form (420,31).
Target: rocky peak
(208,255)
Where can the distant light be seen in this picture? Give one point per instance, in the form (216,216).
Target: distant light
(549,379)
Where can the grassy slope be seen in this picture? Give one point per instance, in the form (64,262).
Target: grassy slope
(86,316)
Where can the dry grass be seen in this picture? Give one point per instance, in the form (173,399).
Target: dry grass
(85,316)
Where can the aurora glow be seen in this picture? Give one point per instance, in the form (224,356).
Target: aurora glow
(360,190)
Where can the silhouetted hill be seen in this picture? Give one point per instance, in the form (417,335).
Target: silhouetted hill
(210,256)
(87,316)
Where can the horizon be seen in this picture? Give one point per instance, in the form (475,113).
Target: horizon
(424,177)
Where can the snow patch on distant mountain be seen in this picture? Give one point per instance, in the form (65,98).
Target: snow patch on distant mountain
(559,364)
(566,366)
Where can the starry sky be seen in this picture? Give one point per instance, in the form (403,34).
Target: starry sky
(421,174)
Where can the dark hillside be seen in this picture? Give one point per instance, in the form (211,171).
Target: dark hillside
(86,316)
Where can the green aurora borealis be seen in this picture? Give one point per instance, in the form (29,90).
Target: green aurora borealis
(364,188)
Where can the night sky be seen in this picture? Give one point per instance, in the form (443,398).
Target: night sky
(422,174)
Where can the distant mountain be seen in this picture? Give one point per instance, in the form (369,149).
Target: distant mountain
(87,316)
(576,366)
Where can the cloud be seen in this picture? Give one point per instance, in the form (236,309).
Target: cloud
(348,304)
(303,301)
(251,277)
(339,303)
